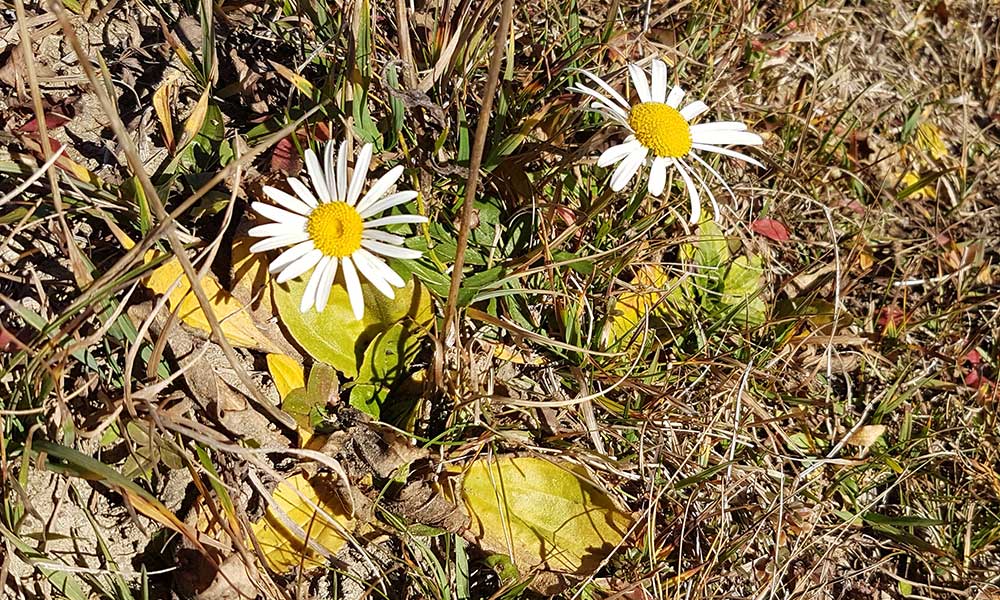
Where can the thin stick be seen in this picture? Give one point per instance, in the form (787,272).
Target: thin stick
(482,127)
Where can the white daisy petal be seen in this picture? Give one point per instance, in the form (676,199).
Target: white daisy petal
(379,188)
(658,88)
(309,295)
(291,255)
(388,202)
(300,266)
(273,229)
(657,175)
(353,289)
(288,201)
(303,191)
(704,185)
(601,101)
(627,168)
(279,241)
(364,262)
(390,250)
(316,176)
(614,116)
(383,236)
(330,169)
(639,80)
(616,153)
(278,215)
(675,97)
(744,138)
(342,172)
(692,192)
(386,271)
(612,92)
(325,285)
(693,110)
(395,220)
(360,174)
(727,152)
(714,173)
(718,126)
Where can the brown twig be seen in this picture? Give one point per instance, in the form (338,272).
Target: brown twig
(482,128)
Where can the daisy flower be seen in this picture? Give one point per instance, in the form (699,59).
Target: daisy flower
(329,226)
(661,134)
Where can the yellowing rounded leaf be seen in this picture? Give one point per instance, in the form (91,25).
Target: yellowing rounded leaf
(283,546)
(334,336)
(287,373)
(542,513)
(236,323)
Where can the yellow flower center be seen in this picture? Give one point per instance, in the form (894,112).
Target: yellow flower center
(335,228)
(660,128)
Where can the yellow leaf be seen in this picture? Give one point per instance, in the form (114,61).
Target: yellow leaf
(301,83)
(236,323)
(516,355)
(631,308)
(925,193)
(285,548)
(161,104)
(929,140)
(287,373)
(542,513)
(195,120)
(159,513)
(65,162)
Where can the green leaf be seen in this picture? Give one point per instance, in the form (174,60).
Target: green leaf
(148,449)
(710,250)
(741,291)
(334,336)
(396,107)
(542,513)
(306,404)
(385,365)
(710,253)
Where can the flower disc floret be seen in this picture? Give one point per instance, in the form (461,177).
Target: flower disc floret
(661,128)
(335,228)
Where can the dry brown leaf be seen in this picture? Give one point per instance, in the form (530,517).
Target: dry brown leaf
(866,437)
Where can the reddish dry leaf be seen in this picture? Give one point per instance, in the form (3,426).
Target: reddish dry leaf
(771,229)
(64,162)
(890,316)
(52,120)
(285,158)
(974,357)
(8,342)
